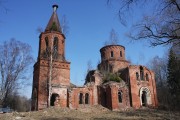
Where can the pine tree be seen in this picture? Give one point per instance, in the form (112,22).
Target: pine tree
(174,77)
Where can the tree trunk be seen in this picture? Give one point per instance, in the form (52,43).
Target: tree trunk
(50,78)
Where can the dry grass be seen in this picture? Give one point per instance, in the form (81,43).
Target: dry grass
(92,113)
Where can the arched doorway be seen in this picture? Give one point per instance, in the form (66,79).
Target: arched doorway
(145,96)
(54,99)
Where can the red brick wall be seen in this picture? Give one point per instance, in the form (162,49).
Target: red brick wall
(108,95)
(115,63)
(136,85)
(106,52)
(63,96)
(60,71)
(74,96)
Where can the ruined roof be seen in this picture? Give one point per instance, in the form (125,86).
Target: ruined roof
(72,85)
(53,24)
(121,84)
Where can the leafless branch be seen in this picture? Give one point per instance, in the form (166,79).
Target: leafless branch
(14,62)
(161,27)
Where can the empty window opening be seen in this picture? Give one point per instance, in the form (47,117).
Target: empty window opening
(80,98)
(112,54)
(55,44)
(103,55)
(120,96)
(54,99)
(120,53)
(141,73)
(110,68)
(143,98)
(137,76)
(47,42)
(86,98)
(147,77)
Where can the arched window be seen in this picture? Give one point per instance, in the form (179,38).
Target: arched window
(120,96)
(141,73)
(55,44)
(112,54)
(86,98)
(137,76)
(47,43)
(120,53)
(54,99)
(147,77)
(80,98)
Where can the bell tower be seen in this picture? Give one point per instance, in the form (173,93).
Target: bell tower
(52,40)
(52,70)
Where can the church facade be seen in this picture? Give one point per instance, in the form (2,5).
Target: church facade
(115,84)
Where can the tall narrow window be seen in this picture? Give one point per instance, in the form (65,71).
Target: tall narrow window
(47,42)
(112,54)
(86,98)
(55,44)
(147,77)
(120,53)
(120,96)
(141,73)
(137,76)
(80,98)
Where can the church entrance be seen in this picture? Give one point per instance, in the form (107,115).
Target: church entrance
(144,98)
(54,99)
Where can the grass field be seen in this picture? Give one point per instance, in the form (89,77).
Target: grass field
(92,113)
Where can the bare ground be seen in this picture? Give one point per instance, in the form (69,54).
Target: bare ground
(92,113)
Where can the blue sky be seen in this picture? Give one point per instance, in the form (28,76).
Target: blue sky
(89,21)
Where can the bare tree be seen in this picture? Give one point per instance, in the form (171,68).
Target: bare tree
(15,61)
(89,66)
(88,73)
(159,66)
(39,30)
(160,26)
(51,54)
(113,38)
(18,103)
(64,25)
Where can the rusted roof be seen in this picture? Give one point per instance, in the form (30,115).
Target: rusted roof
(53,24)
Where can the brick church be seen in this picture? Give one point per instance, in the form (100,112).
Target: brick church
(115,84)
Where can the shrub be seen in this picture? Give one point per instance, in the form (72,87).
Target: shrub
(112,77)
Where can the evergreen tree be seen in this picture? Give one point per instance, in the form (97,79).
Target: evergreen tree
(174,77)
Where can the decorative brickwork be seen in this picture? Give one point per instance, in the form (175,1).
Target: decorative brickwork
(135,86)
